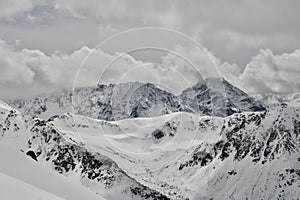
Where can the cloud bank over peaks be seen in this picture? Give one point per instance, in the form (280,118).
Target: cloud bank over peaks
(30,72)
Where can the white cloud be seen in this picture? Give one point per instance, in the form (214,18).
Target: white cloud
(232,30)
(31,71)
(267,73)
(13,66)
(202,62)
(28,72)
(279,73)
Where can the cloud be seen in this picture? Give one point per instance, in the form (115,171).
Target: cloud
(12,66)
(29,72)
(10,8)
(194,63)
(267,73)
(232,30)
(32,71)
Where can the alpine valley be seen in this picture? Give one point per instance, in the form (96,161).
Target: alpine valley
(137,141)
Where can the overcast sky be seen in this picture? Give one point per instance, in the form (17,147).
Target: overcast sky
(255,44)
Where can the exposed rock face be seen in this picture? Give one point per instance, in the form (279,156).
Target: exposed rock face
(218,98)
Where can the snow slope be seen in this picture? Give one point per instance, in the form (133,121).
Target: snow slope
(9,185)
(23,178)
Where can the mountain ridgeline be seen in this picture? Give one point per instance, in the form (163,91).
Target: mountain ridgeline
(215,97)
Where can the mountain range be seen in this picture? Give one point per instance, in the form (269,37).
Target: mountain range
(215,97)
(137,141)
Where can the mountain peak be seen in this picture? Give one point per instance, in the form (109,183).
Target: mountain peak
(215,97)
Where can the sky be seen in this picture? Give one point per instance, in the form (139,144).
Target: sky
(254,44)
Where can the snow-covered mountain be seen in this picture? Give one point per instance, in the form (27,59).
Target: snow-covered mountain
(252,155)
(216,97)
(249,155)
(109,102)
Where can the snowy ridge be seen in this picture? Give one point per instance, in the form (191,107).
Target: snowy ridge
(179,155)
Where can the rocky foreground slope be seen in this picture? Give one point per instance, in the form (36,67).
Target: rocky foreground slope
(41,140)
